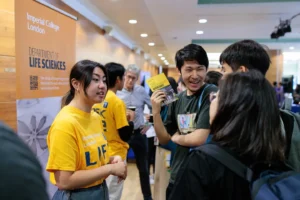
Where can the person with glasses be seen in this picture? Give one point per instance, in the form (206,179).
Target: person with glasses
(135,98)
(245,123)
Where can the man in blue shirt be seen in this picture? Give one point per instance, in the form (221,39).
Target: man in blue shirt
(135,97)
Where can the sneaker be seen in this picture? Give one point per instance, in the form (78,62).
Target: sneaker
(151,179)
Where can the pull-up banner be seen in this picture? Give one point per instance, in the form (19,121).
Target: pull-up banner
(45,53)
(45,50)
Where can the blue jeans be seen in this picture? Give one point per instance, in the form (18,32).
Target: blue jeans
(139,145)
(99,192)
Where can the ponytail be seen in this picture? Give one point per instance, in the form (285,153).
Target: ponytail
(67,98)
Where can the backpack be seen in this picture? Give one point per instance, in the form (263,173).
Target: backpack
(270,185)
(292,134)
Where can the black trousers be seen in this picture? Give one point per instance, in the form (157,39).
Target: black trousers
(139,144)
(151,154)
(169,190)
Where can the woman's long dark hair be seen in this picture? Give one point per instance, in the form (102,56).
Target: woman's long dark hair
(83,72)
(247,119)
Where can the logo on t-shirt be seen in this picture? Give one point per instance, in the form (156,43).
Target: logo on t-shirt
(105,104)
(186,123)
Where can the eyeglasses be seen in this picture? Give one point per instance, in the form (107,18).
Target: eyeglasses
(131,77)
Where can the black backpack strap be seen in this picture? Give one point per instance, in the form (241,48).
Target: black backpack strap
(227,160)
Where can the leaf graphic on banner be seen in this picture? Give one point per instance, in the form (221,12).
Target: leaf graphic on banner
(35,135)
(33,123)
(32,146)
(23,127)
(42,123)
(42,137)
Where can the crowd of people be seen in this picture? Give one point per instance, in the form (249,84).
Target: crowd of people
(102,116)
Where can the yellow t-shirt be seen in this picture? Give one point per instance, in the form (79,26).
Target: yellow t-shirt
(113,117)
(76,142)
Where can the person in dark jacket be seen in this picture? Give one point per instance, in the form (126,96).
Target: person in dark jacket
(245,121)
(20,171)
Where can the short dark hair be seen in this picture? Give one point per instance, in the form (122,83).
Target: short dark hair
(173,84)
(213,77)
(246,53)
(247,119)
(114,70)
(191,52)
(83,72)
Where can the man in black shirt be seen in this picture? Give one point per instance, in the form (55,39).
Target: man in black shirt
(187,119)
(246,55)
(20,171)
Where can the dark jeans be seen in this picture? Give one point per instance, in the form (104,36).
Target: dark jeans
(169,190)
(151,154)
(138,143)
(99,192)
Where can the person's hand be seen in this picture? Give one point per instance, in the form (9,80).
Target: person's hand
(115,159)
(119,169)
(175,137)
(156,100)
(145,129)
(130,115)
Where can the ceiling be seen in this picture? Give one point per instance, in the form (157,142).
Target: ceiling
(172,24)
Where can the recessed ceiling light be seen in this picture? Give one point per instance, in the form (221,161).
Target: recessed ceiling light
(291,48)
(132,21)
(199,32)
(151,44)
(202,21)
(144,35)
(160,55)
(163,58)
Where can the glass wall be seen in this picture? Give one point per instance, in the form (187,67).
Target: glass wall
(291,66)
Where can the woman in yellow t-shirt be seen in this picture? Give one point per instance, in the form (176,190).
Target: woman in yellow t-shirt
(78,159)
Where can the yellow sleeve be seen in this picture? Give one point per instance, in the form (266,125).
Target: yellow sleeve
(120,115)
(63,149)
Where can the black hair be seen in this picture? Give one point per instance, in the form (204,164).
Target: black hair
(247,118)
(114,70)
(297,90)
(173,84)
(274,83)
(246,53)
(191,52)
(83,72)
(213,77)
(180,80)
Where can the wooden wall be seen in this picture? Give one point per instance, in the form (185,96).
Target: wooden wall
(7,64)
(91,43)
